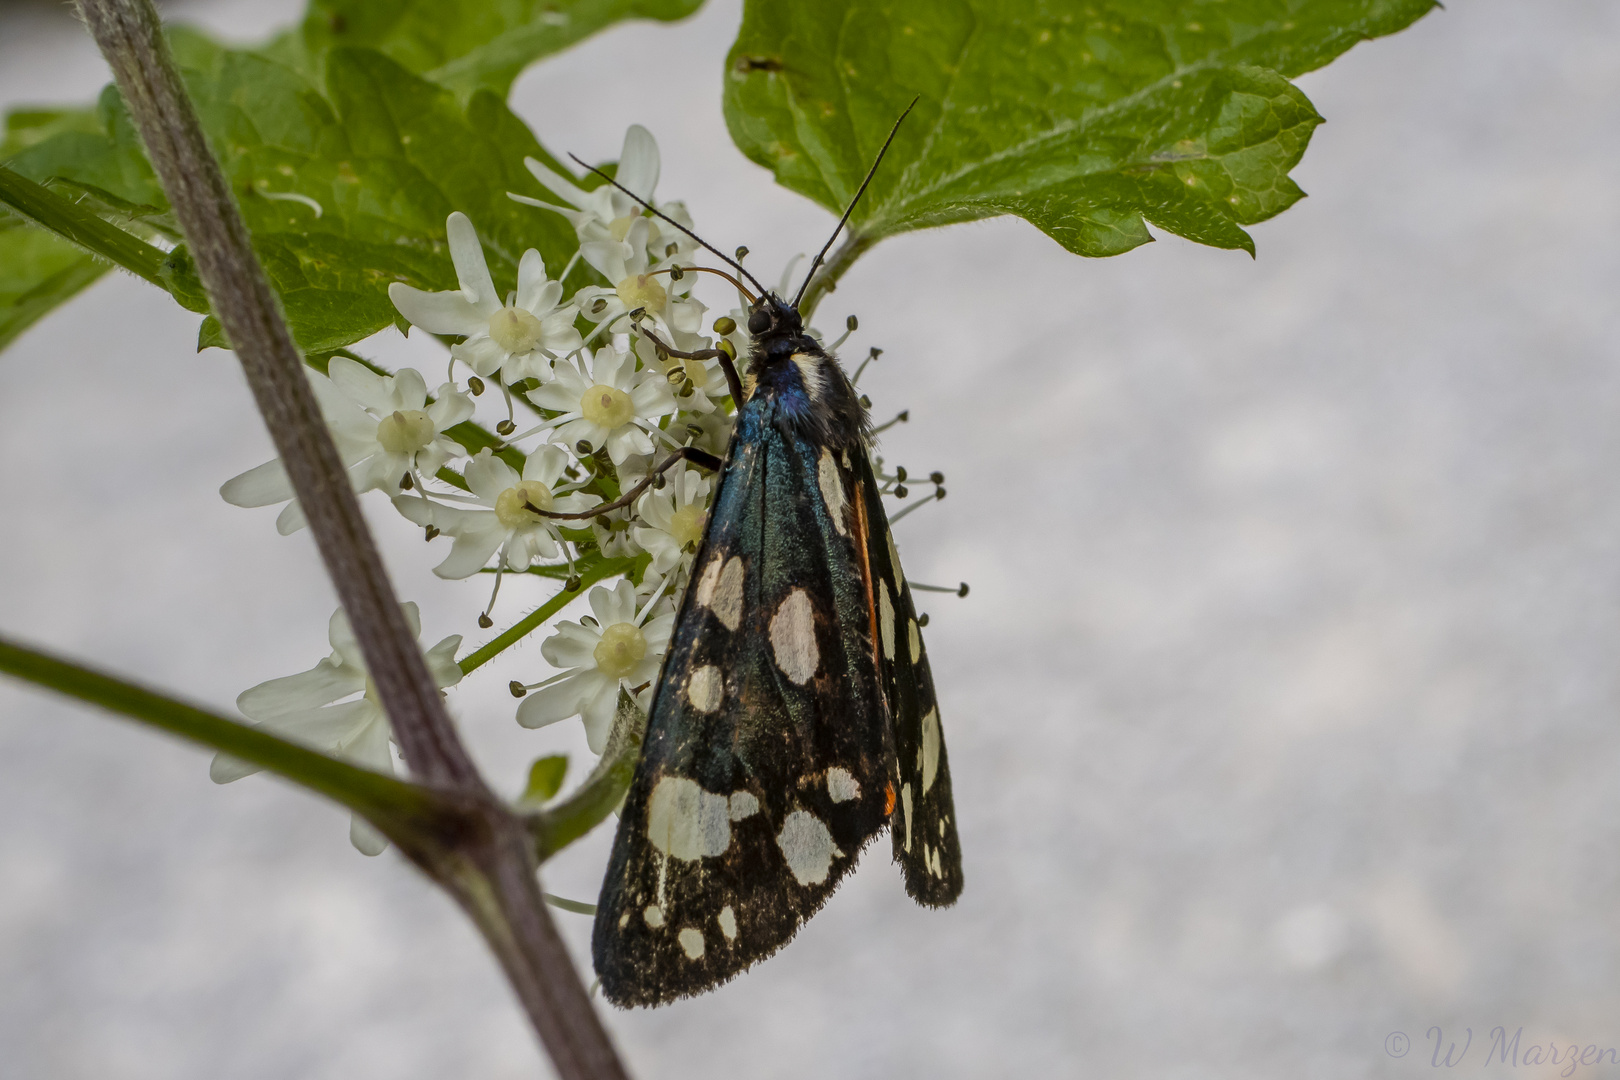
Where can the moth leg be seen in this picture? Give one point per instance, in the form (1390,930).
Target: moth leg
(732,379)
(701,458)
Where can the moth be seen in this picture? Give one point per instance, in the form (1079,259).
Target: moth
(795,716)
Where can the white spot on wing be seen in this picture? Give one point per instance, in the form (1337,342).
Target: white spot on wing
(929,753)
(709,581)
(841,786)
(905,809)
(916,641)
(728,594)
(793,637)
(886,621)
(687,822)
(894,556)
(706,688)
(728,923)
(807,846)
(832,491)
(743,804)
(654,916)
(692,941)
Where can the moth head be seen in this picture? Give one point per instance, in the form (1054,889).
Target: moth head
(771,320)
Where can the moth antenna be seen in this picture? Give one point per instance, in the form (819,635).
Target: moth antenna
(822,254)
(651,209)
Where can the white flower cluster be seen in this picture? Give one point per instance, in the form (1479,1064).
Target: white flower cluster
(607,409)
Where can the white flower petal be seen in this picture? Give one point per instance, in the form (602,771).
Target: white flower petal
(263,485)
(410,390)
(415,509)
(627,441)
(472,549)
(450,408)
(638,162)
(471,270)
(368,747)
(563,188)
(362,385)
(441,662)
(609,258)
(598,715)
(437,312)
(532,281)
(558,395)
(488,476)
(328,728)
(225,769)
(481,354)
(561,700)
(572,646)
(618,605)
(579,219)
(558,333)
(322,684)
(546,464)
(365,837)
(291,519)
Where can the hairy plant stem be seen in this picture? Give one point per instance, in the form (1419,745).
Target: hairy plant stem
(826,279)
(489,868)
(67,219)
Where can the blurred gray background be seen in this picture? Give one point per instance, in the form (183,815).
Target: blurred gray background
(1284,714)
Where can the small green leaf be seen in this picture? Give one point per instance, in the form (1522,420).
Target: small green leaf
(470,45)
(38,271)
(1088,118)
(546,778)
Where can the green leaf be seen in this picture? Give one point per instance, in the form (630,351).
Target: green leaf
(546,778)
(96,154)
(1088,118)
(385,156)
(471,45)
(38,271)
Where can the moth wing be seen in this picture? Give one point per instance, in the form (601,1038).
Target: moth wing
(767,761)
(925,839)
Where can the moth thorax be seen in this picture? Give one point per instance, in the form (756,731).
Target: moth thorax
(686,526)
(642,291)
(515,330)
(512,505)
(405,431)
(607,405)
(622,647)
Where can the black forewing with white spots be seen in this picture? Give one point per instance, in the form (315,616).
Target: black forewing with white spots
(769,759)
(924,820)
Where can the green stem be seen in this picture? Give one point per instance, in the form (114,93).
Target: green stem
(563,822)
(588,575)
(826,279)
(70,221)
(371,794)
